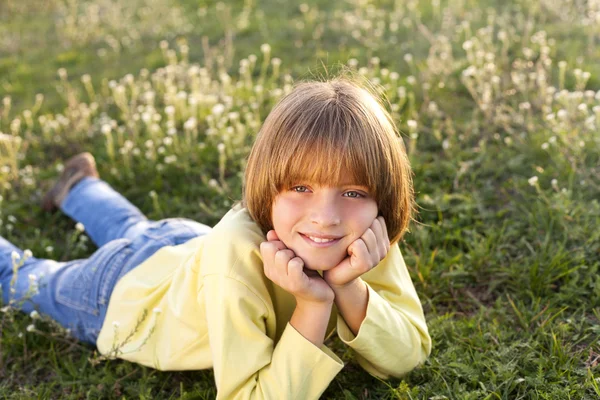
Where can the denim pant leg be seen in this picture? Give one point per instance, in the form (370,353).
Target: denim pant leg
(105,214)
(76,293)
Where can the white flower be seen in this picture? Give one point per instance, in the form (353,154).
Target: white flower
(412,124)
(218,109)
(106,128)
(467,45)
(79,227)
(554,183)
(533,180)
(545,146)
(49,249)
(265,48)
(27,253)
(408,58)
(169,110)
(32,277)
(34,314)
(30,328)
(15,256)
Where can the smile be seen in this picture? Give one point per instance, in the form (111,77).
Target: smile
(319,242)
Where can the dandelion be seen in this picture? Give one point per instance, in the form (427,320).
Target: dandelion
(408,58)
(170,110)
(218,109)
(106,129)
(467,45)
(265,48)
(15,256)
(49,249)
(533,180)
(554,184)
(30,328)
(34,314)
(545,146)
(27,253)
(412,124)
(79,227)
(170,159)
(411,80)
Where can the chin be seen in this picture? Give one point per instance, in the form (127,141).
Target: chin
(314,263)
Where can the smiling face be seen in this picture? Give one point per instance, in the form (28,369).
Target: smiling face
(318,223)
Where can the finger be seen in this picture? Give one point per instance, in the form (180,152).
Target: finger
(382,241)
(384,230)
(282,258)
(370,241)
(272,235)
(267,251)
(296,274)
(359,257)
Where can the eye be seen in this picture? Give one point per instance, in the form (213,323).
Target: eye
(354,194)
(299,189)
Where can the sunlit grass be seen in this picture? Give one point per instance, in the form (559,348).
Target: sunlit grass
(499,108)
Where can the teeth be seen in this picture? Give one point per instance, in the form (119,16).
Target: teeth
(319,240)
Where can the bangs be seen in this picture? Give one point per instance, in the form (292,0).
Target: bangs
(326,149)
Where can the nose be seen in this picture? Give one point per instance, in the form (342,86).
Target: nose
(325,211)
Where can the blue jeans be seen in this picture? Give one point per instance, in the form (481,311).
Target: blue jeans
(76,293)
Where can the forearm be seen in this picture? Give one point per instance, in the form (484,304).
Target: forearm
(351,301)
(311,319)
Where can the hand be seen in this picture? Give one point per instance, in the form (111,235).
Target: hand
(365,253)
(287,270)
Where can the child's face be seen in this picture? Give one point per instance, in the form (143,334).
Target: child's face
(343,212)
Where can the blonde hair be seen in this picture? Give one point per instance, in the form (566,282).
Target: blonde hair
(320,132)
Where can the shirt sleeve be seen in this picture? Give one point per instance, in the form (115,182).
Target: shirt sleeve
(247,362)
(393,338)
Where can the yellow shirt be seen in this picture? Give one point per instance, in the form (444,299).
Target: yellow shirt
(207,304)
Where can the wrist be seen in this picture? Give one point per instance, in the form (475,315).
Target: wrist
(353,285)
(314,305)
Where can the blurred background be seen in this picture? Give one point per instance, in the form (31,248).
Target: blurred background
(498,104)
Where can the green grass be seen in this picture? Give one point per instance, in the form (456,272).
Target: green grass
(507,267)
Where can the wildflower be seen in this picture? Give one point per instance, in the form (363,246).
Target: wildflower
(106,128)
(218,109)
(79,227)
(408,58)
(32,277)
(533,180)
(169,110)
(353,62)
(545,146)
(15,256)
(30,328)
(554,184)
(411,80)
(34,314)
(49,249)
(27,253)
(276,62)
(170,159)
(412,124)
(467,45)
(265,48)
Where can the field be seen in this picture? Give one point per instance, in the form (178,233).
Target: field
(499,107)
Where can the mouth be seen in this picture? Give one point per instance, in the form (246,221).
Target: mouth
(320,241)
